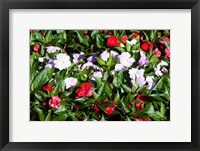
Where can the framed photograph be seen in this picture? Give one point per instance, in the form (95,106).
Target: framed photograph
(103,75)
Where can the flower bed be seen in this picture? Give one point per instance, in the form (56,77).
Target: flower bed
(100,75)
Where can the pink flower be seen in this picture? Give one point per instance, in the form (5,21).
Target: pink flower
(54,102)
(124,39)
(157,51)
(167,52)
(36,48)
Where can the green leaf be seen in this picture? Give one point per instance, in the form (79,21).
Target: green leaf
(126,88)
(110,62)
(100,61)
(49,36)
(82,38)
(162,108)
(38,36)
(61,117)
(136,46)
(73,117)
(40,113)
(100,41)
(157,97)
(94,32)
(41,78)
(81,100)
(120,49)
(117,96)
(128,47)
(106,75)
(48,117)
(60,87)
(38,96)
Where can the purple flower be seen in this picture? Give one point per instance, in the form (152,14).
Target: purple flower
(98,74)
(151,82)
(91,58)
(143,60)
(50,63)
(77,57)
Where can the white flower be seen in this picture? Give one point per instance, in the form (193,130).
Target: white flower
(62,61)
(96,74)
(70,82)
(105,55)
(158,68)
(52,49)
(125,59)
(119,67)
(150,81)
(87,65)
(139,74)
(40,59)
(132,42)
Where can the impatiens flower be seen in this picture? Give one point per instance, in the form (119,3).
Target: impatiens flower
(167,52)
(164,70)
(92,58)
(142,98)
(158,69)
(36,48)
(151,82)
(157,51)
(125,59)
(50,63)
(52,49)
(70,82)
(124,39)
(139,74)
(132,42)
(84,91)
(54,102)
(143,59)
(114,54)
(110,110)
(48,88)
(96,108)
(87,65)
(146,46)
(105,55)
(32,31)
(44,103)
(62,61)
(135,35)
(119,67)
(77,57)
(139,106)
(97,74)
(143,119)
(40,59)
(113,41)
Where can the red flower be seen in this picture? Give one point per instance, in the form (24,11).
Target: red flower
(139,106)
(44,103)
(48,88)
(143,119)
(157,51)
(135,35)
(54,102)
(167,52)
(43,33)
(142,98)
(85,90)
(31,31)
(146,46)
(114,102)
(113,41)
(101,31)
(110,33)
(36,48)
(110,110)
(167,39)
(87,36)
(96,108)
(124,39)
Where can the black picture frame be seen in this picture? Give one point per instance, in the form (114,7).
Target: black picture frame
(5,5)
